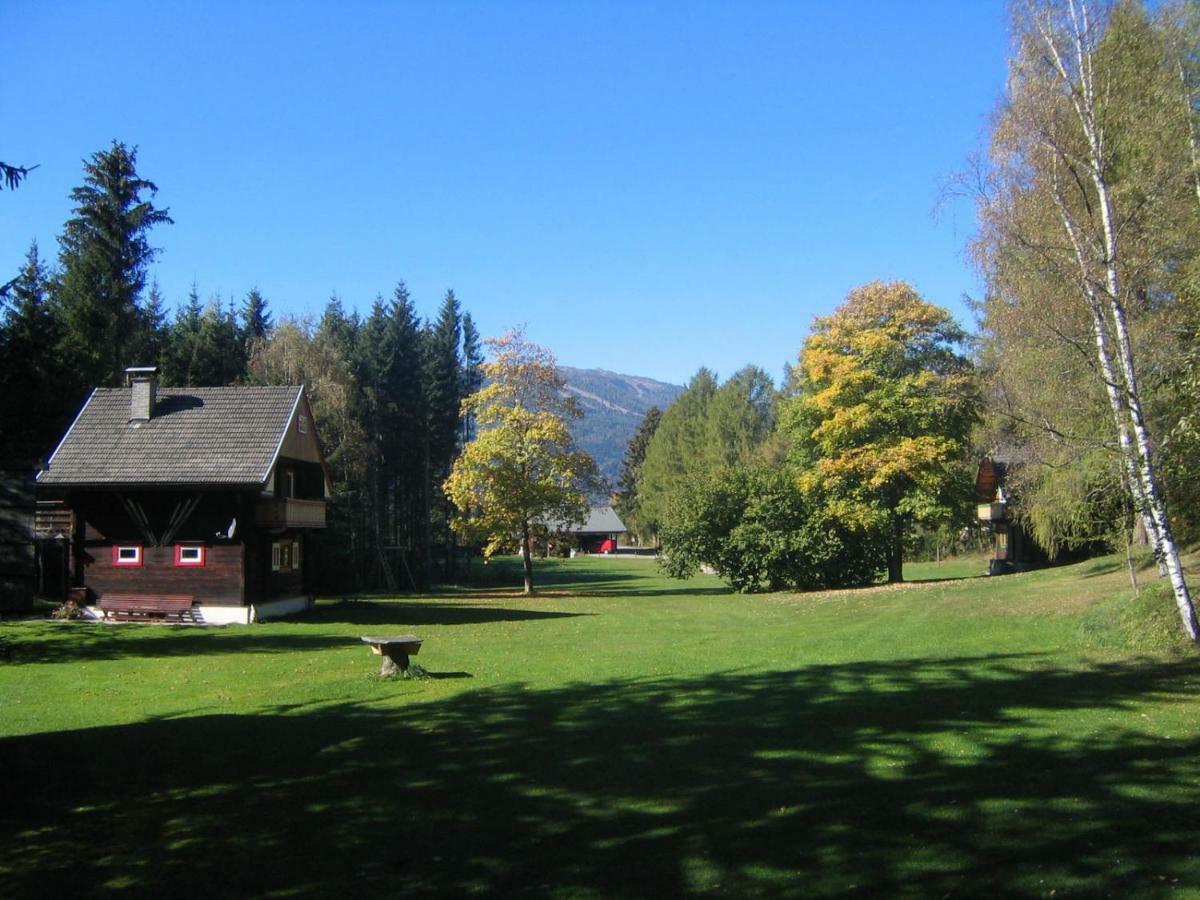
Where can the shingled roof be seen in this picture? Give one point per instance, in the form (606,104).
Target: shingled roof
(214,435)
(600,520)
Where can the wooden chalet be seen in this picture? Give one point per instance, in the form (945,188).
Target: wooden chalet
(211,493)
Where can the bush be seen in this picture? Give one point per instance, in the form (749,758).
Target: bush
(67,611)
(759,532)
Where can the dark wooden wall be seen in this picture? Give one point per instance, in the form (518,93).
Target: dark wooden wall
(218,582)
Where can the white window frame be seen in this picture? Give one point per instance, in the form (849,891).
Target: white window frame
(196,551)
(120,558)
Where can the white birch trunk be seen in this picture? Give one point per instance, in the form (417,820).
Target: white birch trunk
(1108,373)
(1081,90)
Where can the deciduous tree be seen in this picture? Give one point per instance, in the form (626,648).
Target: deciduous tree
(883,408)
(1090,172)
(522,468)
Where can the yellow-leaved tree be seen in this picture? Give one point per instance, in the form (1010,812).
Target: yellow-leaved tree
(522,469)
(882,410)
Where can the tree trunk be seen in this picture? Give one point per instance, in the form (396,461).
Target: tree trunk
(1139,457)
(426,522)
(526,558)
(896,553)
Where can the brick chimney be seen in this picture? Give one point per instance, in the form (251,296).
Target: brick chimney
(143,380)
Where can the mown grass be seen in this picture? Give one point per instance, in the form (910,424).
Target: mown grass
(619,735)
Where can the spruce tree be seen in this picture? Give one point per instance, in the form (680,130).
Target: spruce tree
(104,252)
(472,372)
(631,471)
(255,319)
(677,452)
(183,338)
(34,408)
(443,368)
(388,361)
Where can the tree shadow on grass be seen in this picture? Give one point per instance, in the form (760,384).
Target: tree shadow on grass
(424,612)
(88,641)
(46,642)
(948,579)
(972,776)
(591,578)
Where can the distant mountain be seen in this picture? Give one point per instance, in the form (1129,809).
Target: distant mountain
(613,407)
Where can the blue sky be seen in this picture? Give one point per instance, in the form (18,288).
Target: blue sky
(648,187)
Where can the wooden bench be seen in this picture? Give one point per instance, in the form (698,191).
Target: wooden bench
(132,607)
(395,651)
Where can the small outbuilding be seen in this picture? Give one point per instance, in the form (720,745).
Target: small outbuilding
(1010,552)
(600,532)
(210,493)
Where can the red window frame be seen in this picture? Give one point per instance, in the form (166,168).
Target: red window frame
(116,555)
(192,563)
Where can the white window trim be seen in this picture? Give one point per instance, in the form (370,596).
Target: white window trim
(197,562)
(119,558)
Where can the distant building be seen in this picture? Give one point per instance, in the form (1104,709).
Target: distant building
(1010,552)
(210,492)
(598,534)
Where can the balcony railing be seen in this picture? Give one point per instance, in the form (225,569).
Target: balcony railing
(992,512)
(53,519)
(282,512)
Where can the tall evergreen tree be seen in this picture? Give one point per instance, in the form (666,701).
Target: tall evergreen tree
(255,318)
(389,362)
(151,342)
(443,370)
(631,471)
(104,254)
(472,373)
(34,408)
(739,419)
(677,452)
(443,383)
(183,338)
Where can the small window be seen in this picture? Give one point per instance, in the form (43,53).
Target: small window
(289,483)
(276,557)
(295,554)
(302,424)
(127,555)
(189,555)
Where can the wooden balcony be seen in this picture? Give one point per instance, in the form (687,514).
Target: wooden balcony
(992,512)
(53,519)
(282,512)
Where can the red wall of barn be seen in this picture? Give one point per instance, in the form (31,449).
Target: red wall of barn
(217,582)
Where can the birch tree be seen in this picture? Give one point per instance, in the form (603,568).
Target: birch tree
(1073,189)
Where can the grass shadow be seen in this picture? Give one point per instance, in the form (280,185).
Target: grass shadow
(425,612)
(923,777)
(89,641)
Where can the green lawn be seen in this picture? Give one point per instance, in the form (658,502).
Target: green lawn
(620,735)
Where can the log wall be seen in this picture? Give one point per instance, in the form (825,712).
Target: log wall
(218,582)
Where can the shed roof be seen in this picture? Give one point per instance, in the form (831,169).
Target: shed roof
(600,520)
(211,435)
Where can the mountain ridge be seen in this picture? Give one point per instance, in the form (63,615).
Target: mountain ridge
(613,404)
